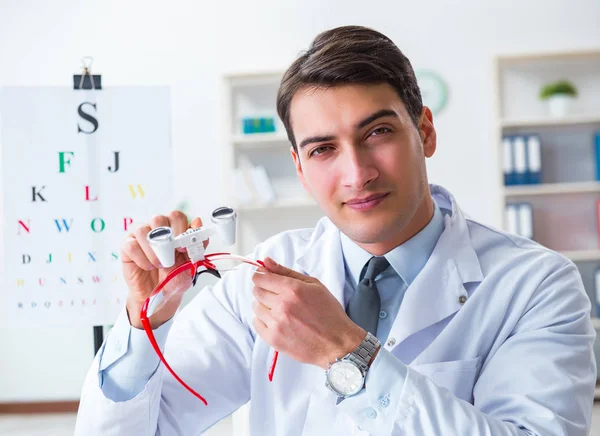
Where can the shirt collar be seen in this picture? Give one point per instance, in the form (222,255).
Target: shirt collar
(407,259)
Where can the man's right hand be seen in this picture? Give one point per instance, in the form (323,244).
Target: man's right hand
(143,272)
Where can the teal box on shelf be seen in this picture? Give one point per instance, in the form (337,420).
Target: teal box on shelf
(258,125)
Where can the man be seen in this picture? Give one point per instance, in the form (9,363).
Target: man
(425,322)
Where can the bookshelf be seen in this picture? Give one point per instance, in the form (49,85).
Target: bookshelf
(253,94)
(564,203)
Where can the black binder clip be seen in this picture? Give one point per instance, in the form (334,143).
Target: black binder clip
(87,80)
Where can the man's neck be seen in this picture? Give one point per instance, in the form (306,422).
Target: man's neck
(418,222)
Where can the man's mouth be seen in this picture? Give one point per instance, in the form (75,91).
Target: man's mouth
(366,203)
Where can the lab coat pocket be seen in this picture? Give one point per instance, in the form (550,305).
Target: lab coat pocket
(458,376)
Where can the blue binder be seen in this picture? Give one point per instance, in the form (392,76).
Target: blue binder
(520,155)
(534,159)
(509,161)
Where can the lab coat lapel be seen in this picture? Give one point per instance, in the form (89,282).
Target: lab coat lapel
(323,259)
(438,291)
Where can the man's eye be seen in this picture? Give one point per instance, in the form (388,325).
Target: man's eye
(319,150)
(380,131)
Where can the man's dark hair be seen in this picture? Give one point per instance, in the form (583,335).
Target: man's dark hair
(350,54)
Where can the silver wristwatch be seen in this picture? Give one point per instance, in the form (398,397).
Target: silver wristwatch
(346,376)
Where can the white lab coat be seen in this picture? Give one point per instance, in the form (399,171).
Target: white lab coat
(495,331)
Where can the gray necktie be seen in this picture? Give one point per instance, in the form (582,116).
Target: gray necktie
(363,307)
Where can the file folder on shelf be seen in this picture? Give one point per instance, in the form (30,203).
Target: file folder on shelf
(520,152)
(512,219)
(509,161)
(526,220)
(519,219)
(534,159)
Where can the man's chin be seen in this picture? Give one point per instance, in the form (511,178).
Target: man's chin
(369,229)
(362,235)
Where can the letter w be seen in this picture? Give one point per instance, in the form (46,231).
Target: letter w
(67,226)
(133,193)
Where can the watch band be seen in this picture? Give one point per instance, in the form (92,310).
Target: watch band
(363,354)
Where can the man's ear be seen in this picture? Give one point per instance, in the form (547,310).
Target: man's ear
(299,170)
(427,132)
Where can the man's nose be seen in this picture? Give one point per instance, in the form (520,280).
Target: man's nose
(358,169)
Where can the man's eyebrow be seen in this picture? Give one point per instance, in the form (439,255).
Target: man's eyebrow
(324,138)
(379,114)
(312,139)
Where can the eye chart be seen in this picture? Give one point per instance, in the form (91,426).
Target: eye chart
(80,169)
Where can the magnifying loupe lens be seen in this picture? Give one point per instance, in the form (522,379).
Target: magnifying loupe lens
(160,233)
(222,212)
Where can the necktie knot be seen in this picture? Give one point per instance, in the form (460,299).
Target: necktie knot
(375,266)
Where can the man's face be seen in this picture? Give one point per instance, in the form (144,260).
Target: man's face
(363,160)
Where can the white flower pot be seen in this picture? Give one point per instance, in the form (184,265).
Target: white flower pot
(559,105)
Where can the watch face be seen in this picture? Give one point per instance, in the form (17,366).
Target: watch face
(345,378)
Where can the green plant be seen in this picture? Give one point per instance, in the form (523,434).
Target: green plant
(561,87)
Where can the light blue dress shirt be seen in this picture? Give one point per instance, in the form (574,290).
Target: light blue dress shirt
(125,377)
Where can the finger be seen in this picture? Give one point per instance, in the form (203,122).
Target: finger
(178,221)
(268,281)
(141,234)
(262,312)
(285,271)
(260,327)
(266,298)
(196,224)
(275,283)
(132,252)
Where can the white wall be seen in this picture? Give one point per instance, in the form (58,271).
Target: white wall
(189,44)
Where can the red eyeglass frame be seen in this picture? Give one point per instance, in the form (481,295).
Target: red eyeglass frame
(206,262)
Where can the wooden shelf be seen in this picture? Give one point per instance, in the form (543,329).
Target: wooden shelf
(582,255)
(572,120)
(280,204)
(528,58)
(260,140)
(551,189)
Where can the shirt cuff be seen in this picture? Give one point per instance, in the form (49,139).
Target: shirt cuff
(128,360)
(374,408)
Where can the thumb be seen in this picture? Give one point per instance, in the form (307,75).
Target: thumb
(281,270)
(195,224)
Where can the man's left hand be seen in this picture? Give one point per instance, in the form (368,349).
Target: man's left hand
(297,315)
